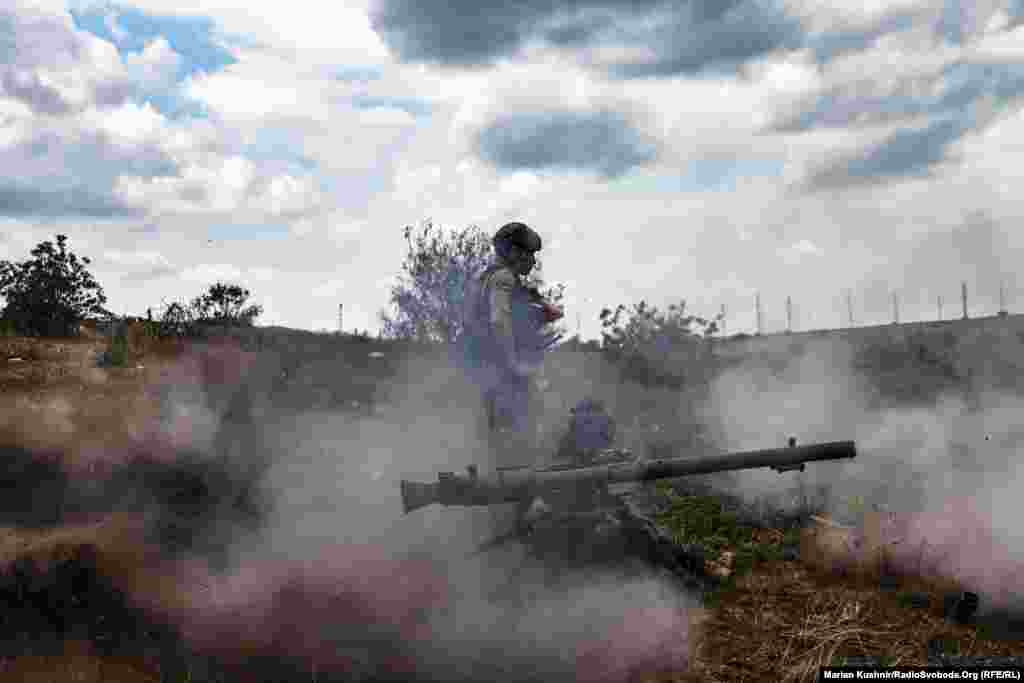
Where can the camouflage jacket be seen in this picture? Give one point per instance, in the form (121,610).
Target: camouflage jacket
(494,316)
(505,320)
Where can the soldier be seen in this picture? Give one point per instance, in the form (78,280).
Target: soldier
(591,431)
(504,323)
(505,345)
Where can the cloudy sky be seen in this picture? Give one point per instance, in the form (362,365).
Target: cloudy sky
(704,151)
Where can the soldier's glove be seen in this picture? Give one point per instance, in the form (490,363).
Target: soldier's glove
(552,313)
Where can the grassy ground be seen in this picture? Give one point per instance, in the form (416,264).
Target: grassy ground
(782,609)
(787,608)
(776,617)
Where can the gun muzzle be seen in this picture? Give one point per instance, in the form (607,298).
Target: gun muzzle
(416,495)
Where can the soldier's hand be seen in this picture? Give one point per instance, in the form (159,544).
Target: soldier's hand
(553,313)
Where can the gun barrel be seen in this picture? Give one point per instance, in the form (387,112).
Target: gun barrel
(780,459)
(517,484)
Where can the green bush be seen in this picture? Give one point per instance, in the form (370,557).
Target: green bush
(713,523)
(116,353)
(704,521)
(50,294)
(658,348)
(427,301)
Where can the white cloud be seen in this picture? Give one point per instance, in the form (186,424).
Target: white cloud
(286,194)
(820,15)
(385,167)
(521,184)
(313,31)
(1002,46)
(331,288)
(227,186)
(197,188)
(799,251)
(786,73)
(156,66)
(250,93)
(208,273)
(386,116)
(130,124)
(136,258)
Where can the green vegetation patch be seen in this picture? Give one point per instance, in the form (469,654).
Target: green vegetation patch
(708,522)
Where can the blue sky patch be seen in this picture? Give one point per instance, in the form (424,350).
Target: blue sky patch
(1016,10)
(352,74)
(174,106)
(909,152)
(130,29)
(233,232)
(722,173)
(416,108)
(276,145)
(831,44)
(703,175)
(965,85)
(968,82)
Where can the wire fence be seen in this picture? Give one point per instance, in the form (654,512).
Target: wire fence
(848,316)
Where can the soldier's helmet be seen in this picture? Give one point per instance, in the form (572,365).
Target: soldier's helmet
(517,235)
(591,426)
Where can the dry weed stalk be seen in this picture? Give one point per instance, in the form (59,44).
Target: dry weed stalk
(830,623)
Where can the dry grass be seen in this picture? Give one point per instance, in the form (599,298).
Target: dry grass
(778,622)
(115,548)
(783,620)
(78,664)
(115,544)
(56,398)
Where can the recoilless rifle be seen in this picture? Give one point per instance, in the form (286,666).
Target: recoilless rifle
(572,508)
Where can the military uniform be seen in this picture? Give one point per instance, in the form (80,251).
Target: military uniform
(507,394)
(506,359)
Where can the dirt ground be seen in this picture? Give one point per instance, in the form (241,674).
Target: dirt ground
(779,622)
(53,395)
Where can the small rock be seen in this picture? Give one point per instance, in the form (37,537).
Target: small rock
(863,661)
(723,567)
(960,607)
(14,360)
(917,600)
(939,647)
(376,354)
(889,582)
